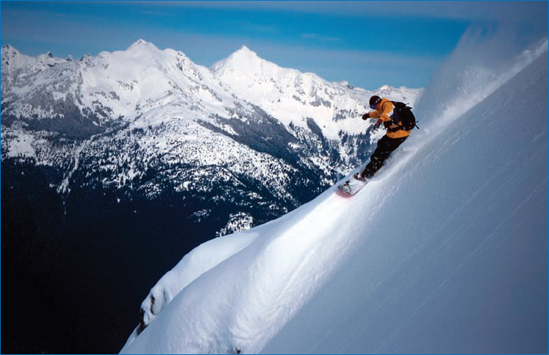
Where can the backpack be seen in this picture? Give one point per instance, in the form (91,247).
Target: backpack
(403,113)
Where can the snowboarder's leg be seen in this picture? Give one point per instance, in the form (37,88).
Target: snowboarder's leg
(385,146)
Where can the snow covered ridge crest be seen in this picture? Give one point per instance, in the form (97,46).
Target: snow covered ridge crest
(264,276)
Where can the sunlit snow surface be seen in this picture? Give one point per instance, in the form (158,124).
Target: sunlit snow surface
(446,251)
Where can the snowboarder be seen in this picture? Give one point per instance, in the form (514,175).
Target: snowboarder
(395,136)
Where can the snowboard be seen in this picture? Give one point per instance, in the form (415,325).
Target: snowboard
(351,186)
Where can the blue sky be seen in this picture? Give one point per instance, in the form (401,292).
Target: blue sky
(368,44)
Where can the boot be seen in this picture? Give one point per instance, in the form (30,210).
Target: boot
(359,176)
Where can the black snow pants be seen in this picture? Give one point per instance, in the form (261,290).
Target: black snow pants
(385,146)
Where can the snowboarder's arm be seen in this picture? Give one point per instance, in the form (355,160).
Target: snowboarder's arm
(366,116)
(387,108)
(374,114)
(385,112)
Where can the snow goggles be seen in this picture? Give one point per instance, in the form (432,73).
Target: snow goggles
(373,107)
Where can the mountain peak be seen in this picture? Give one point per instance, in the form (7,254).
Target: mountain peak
(141,43)
(245,50)
(8,48)
(244,53)
(138,42)
(243,59)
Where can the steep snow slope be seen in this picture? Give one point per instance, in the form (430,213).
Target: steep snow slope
(456,261)
(434,232)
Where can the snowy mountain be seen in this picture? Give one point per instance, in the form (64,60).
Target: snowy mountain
(445,251)
(147,120)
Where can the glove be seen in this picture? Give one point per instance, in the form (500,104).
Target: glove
(366,116)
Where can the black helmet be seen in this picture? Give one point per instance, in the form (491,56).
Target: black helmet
(374,100)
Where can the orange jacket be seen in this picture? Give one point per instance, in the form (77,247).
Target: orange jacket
(383,111)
